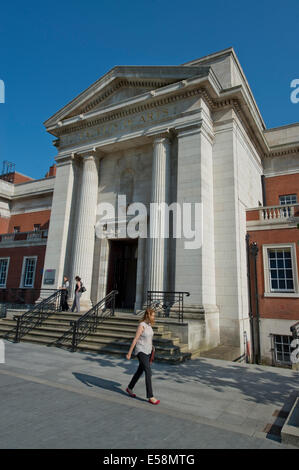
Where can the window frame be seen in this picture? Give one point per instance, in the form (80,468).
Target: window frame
(275,352)
(7,268)
(287,203)
(267,280)
(22,286)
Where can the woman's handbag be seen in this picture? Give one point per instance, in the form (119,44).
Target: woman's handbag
(152,355)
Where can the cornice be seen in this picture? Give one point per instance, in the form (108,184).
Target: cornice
(205,87)
(127,111)
(212,103)
(283,151)
(134,74)
(113,88)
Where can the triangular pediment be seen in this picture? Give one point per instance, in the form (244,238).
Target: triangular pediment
(121,84)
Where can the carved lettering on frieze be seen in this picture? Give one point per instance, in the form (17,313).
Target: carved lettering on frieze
(120,126)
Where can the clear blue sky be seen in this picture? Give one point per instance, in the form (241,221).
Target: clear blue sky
(51,51)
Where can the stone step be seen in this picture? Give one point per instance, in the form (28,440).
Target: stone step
(96,344)
(54,326)
(57,333)
(113,336)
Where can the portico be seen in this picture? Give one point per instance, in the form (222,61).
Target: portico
(172,135)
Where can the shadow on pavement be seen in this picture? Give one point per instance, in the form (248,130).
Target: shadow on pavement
(257,384)
(91,381)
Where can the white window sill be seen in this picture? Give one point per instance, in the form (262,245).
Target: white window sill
(282,294)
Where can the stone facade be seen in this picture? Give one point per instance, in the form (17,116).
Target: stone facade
(183,134)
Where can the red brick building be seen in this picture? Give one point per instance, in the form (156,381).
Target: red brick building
(25,209)
(273,236)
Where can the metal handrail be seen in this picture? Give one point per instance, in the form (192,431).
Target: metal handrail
(35,316)
(26,296)
(86,324)
(163,302)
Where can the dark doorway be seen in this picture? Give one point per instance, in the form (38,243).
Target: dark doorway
(122,271)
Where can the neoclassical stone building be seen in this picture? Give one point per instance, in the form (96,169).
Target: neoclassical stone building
(188,133)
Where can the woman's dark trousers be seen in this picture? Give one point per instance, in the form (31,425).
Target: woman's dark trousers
(63,302)
(144,365)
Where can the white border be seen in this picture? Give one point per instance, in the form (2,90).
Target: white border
(268,292)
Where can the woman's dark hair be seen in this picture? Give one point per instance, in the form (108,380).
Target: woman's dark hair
(78,278)
(66,277)
(147,316)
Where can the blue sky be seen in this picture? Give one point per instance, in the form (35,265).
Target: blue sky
(51,51)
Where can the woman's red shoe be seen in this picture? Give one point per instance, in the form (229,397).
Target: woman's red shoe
(154,402)
(130,393)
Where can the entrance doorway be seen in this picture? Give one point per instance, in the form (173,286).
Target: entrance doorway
(122,270)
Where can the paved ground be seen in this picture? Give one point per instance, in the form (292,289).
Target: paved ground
(51,398)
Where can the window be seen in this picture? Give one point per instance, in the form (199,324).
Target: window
(36,227)
(288,199)
(280,270)
(17,229)
(28,273)
(4,262)
(282,349)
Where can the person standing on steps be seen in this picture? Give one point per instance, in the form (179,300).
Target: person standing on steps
(78,293)
(143,344)
(64,294)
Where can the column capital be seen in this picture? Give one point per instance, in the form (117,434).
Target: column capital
(64,159)
(87,154)
(161,135)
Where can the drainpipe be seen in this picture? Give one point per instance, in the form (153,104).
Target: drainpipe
(254,252)
(250,299)
(264,190)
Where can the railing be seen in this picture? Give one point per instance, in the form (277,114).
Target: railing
(90,320)
(295,330)
(15,297)
(37,315)
(24,236)
(165,301)
(279,213)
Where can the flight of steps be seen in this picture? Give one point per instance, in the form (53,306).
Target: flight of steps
(113,336)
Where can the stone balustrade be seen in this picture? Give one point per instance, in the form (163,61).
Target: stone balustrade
(23,236)
(279,213)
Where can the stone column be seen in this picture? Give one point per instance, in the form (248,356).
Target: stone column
(140,275)
(157,276)
(84,227)
(59,223)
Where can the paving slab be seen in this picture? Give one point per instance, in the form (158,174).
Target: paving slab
(52,398)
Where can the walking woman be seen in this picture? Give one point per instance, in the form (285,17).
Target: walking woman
(144,345)
(78,293)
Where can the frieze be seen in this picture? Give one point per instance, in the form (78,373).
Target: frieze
(126,124)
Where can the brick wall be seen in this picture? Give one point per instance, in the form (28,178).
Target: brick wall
(26,221)
(279,185)
(16,256)
(274,307)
